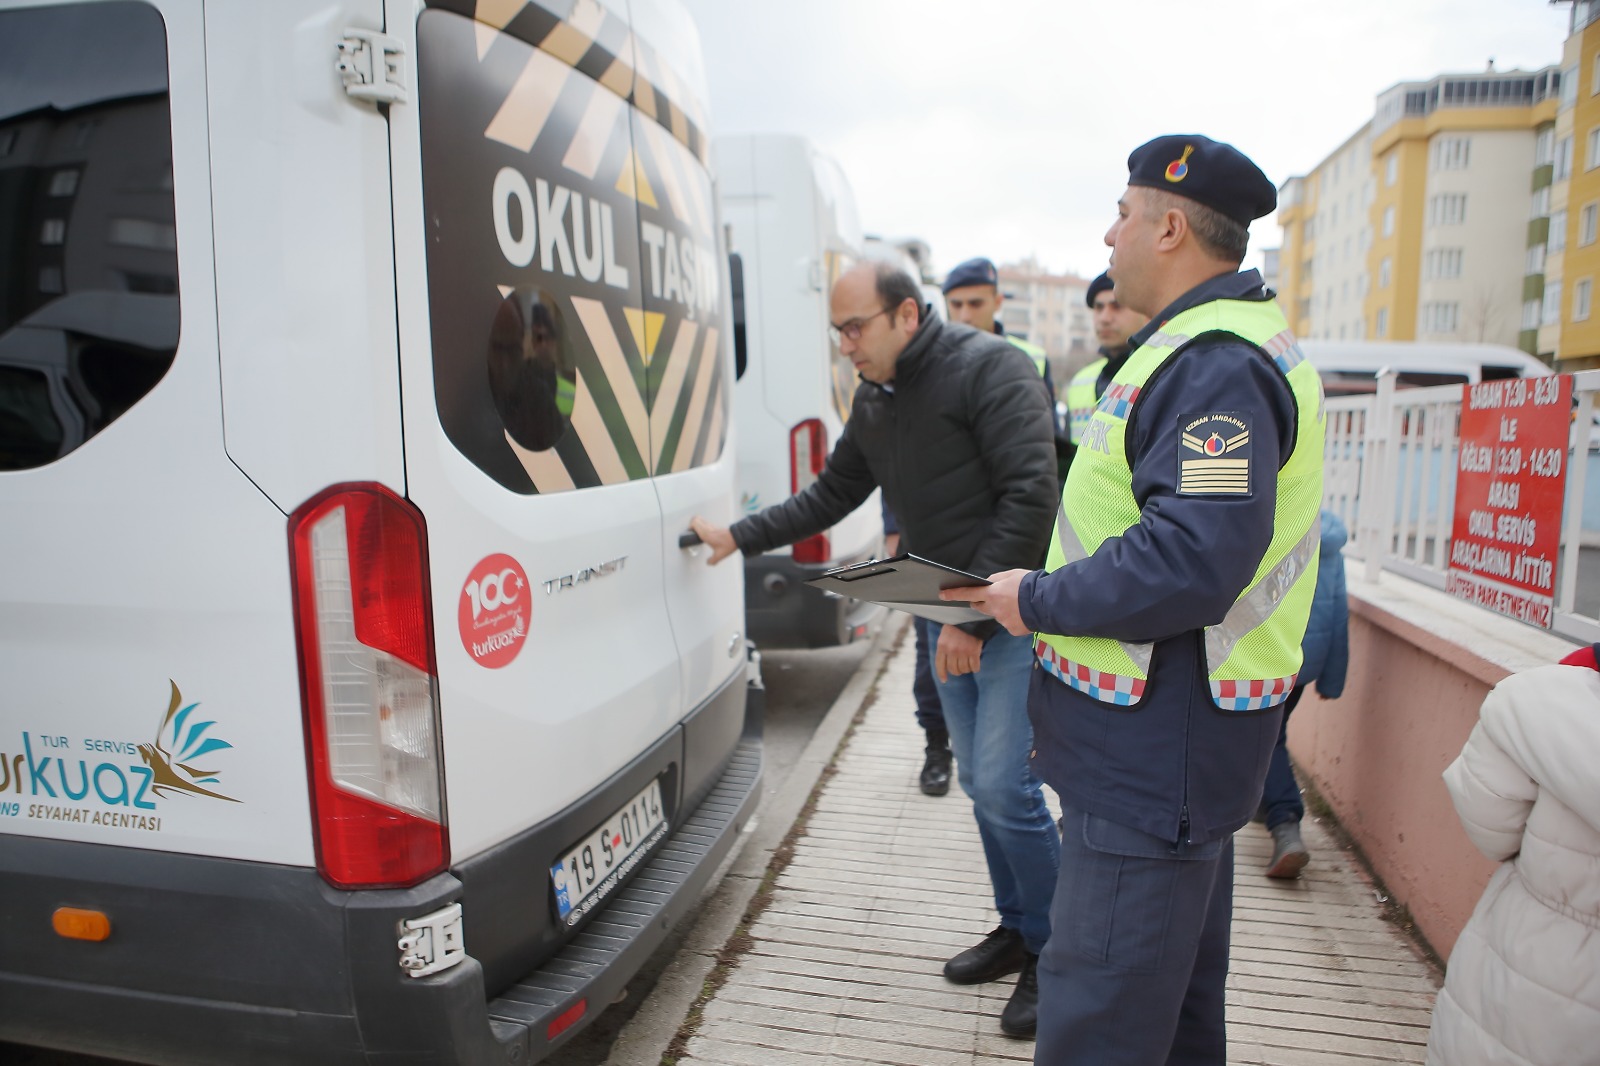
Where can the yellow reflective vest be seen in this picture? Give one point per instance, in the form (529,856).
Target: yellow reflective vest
(1253,654)
(1081,398)
(1032,351)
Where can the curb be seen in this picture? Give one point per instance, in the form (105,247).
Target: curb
(646,1038)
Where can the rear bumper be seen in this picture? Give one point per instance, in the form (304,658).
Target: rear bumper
(216,960)
(781,611)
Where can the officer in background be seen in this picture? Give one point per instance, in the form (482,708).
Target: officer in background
(1168,617)
(972,296)
(1113,325)
(934,780)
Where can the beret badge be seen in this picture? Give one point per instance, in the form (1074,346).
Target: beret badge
(1178,169)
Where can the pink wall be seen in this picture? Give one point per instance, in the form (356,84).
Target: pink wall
(1377,752)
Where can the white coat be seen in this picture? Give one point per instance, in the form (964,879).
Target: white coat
(1523,984)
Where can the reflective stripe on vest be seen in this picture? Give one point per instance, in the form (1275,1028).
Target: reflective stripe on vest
(1081,398)
(1253,654)
(1032,351)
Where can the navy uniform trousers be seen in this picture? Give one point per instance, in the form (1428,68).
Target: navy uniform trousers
(1135,970)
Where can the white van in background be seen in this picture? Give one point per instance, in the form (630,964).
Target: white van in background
(1351,368)
(361,362)
(793,230)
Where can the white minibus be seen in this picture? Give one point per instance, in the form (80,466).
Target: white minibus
(361,363)
(793,229)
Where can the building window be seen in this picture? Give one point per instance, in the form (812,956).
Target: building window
(1534,264)
(1592,158)
(1588,222)
(1449,209)
(1391,169)
(1558,230)
(1581,292)
(1550,313)
(1530,314)
(1539,204)
(1442,264)
(64,182)
(1569,87)
(1563,167)
(1388,221)
(1451,153)
(1544,148)
(1440,316)
(1594,77)
(1383,273)
(1382,328)
(53,231)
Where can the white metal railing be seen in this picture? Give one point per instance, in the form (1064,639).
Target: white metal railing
(1390,475)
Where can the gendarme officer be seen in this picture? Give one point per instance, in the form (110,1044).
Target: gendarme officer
(1114,327)
(1168,617)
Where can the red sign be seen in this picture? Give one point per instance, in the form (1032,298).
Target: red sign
(1511,478)
(493,611)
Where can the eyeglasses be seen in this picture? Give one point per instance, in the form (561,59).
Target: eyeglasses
(852,329)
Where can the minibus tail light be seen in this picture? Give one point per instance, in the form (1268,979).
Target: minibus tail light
(808,450)
(369,686)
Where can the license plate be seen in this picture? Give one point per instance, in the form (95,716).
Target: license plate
(595,865)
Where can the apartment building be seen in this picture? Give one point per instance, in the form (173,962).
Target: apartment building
(1562,259)
(1326,237)
(1048,310)
(1417,226)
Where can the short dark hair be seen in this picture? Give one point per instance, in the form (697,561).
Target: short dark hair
(1219,236)
(895,286)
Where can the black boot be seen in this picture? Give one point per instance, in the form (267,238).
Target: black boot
(998,954)
(935,780)
(1021,1016)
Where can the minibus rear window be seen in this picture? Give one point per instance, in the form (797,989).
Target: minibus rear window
(88,239)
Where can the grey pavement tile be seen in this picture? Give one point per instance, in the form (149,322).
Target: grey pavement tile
(844,964)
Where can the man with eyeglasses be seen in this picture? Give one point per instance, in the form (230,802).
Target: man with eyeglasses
(955,426)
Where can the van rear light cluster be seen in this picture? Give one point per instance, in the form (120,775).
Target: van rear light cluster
(369,684)
(808,450)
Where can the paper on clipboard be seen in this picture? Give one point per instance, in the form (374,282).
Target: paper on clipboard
(906,583)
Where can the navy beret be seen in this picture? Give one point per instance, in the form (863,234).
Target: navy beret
(1096,287)
(973,272)
(1206,171)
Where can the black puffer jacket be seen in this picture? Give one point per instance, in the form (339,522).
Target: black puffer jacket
(962,445)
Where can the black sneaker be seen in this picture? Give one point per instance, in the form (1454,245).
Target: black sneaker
(999,953)
(1021,1016)
(935,779)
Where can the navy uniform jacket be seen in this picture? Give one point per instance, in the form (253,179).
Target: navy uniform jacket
(1173,765)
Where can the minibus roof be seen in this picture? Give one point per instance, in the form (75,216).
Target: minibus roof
(1350,357)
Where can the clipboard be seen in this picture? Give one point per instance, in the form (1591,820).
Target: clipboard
(906,583)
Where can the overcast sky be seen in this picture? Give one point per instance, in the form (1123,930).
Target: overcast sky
(1002,127)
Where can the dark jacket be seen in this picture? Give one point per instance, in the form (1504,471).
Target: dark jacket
(1173,766)
(1327,642)
(961,444)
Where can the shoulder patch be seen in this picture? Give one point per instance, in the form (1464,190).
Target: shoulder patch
(1214,454)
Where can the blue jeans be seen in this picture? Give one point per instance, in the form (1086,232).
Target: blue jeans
(1136,968)
(1282,795)
(925,687)
(987,715)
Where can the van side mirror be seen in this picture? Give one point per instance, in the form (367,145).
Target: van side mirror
(741,348)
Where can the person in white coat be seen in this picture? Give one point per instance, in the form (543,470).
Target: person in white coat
(1523,985)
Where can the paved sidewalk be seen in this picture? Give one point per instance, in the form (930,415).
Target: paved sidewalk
(843,964)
